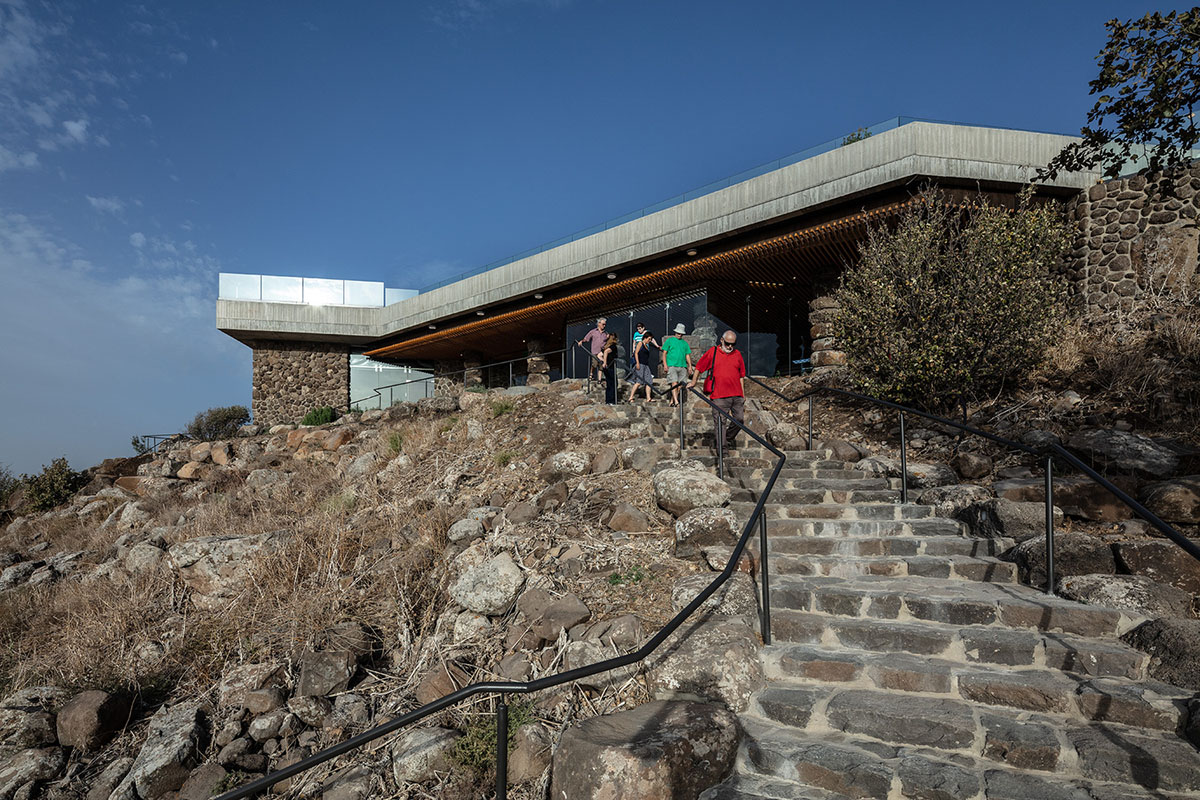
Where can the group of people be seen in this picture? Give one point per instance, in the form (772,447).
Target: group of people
(723,364)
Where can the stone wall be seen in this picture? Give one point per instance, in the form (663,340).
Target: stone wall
(292,378)
(1131,236)
(826,352)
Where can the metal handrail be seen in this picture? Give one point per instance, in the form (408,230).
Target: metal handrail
(463,371)
(502,688)
(1048,452)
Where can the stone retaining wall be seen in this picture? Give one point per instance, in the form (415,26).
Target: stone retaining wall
(1131,235)
(292,378)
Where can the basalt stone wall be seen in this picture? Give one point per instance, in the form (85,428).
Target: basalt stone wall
(1131,236)
(292,378)
(826,351)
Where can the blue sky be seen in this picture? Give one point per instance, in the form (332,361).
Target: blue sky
(146,147)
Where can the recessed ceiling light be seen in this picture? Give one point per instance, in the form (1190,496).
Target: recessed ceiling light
(612,275)
(433,327)
(537,297)
(479,313)
(692,252)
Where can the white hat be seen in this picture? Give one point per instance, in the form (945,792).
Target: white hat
(680,329)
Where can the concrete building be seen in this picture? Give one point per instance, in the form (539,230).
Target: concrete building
(751,253)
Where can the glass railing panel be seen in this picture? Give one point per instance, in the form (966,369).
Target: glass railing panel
(232,286)
(363,293)
(282,289)
(324,292)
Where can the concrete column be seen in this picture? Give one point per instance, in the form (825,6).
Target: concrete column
(473,377)
(825,349)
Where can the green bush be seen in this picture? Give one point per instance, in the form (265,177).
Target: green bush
(8,485)
(502,407)
(217,423)
(55,485)
(476,749)
(395,442)
(320,416)
(957,300)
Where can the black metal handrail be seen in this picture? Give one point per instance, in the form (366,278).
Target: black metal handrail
(463,371)
(1048,453)
(503,688)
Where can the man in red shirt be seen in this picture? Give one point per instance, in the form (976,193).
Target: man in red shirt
(727,391)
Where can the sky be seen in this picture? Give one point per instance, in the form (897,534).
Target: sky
(146,147)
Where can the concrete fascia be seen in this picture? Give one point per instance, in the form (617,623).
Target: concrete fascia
(958,152)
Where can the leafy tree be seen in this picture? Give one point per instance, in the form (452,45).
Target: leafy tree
(954,301)
(1148,87)
(217,423)
(55,485)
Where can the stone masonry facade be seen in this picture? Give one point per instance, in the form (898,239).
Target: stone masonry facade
(292,378)
(1131,236)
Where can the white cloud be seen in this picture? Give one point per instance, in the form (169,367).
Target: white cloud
(137,239)
(107,205)
(77,129)
(178,56)
(10,160)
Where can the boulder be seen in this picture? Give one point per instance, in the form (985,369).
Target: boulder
(362,466)
(27,718)
(240,680)
(844,451)
(310,709)
(530,754)
(437,405)
(468,625)
(489,588)
(103,784)
(623,632)
(172,749)
(714,657)
(599,416)
(439,682)
(586,652)
(952,501)
(703,527)
(90,719)
(605,460)
(667,749)
(642,456)
(998,518)
(971,465)
(1128,593)
(736,597)
(29,767)
(1124,451)
(325,672)
(679,490)
(1163,561)
(1077,495)
(418,753)
(521,512)
(567,464)
(1175,500)
(204,783)
(552,497)
(216,568)
(560,614)
(629,518)
(465,530)
(1074,554)
(1174,649)
(920,475)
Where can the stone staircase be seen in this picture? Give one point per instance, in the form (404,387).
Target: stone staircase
(908,662)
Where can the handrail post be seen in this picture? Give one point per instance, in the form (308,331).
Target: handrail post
(719,430)
(764,577)
(903,462)
(1049,523)
(501,749)
(681,391)
(811,399)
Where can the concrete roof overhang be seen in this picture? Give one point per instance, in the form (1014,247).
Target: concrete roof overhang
(647,253)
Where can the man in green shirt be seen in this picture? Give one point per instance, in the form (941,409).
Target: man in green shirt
(677,360)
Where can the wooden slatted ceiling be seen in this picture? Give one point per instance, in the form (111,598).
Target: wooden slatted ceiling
(792,259)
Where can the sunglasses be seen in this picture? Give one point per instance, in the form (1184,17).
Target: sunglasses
(727,344)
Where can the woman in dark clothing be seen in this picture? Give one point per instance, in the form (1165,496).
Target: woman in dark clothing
(608,364)
(642,372)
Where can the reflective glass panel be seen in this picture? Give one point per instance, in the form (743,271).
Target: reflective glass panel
(279,289)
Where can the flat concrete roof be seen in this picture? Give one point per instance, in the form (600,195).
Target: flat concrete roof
(958,153)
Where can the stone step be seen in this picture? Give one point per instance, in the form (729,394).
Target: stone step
(840,544)
(945,601)
(1094,762)
(951,567)
(797,529)
(812,673)
(857,482)
(854,511)
(761,787)
(752,476)
(783,496)
(969,644)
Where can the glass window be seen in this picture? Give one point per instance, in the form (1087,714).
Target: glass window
(376,384)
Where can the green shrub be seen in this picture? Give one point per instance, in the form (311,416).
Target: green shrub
(505,457)
(320,416)
(395,442)
(217,423)
(955,302)
(8,485)
(476,750)
(856,136)
(502,407)
(55,485)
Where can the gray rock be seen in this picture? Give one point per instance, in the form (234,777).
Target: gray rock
(19,573)
(90,719)
(266,726)
(561,614)
(27,718)
(971,465)
(605,460)
(679,491)
(952,501)
(204,783)
(1005,519)
(1160,560)
(325,672)
(216,568)
(679,463)
(928,779)
(736,597)
(1125,452)
(362,466)
(352,783)
(468,626)
(29,766)
(465,530)
(714,658)
(641,456)
(1175,500)
(661,749)
(587,652)
(246,678)
(626,517)
(567,464)
(920,475)
(703,527)
(1074,554)
(623,632)
(530,754)
(845,451)
(419,752)
(437,405)
(1077,495)
(1174,649)
(172,750)
(310,709)
(349,711)
(490,588)
(104,783)
(1128,593)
